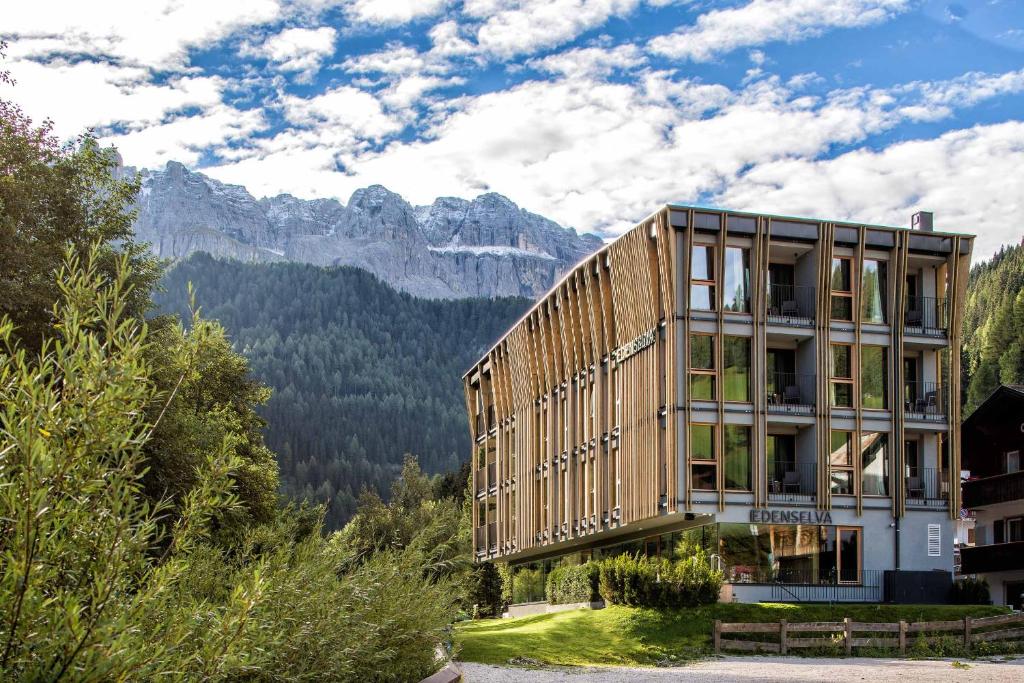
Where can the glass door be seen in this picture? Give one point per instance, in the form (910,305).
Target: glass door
(849,554)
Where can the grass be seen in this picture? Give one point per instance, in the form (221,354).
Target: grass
(644,637)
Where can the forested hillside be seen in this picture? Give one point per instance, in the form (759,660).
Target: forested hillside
(361,374)
(993,337)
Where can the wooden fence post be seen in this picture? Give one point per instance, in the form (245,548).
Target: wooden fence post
(718,636)
(782,636)
(903,638)
(849,636)
(967,633)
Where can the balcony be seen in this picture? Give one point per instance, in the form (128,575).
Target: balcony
(925,401)
(925,316)
(480,539)
(791,305)
(791,393)
(926,488)
(795,483)
(492,536)
(480,480)
(492,477)
(992,558)
(1002,488)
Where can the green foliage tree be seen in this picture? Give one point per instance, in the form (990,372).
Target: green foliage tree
(993,330)
(362,374)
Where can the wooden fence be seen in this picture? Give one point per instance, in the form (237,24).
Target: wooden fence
(850,634)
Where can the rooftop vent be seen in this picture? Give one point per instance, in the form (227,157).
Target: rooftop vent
(922,220)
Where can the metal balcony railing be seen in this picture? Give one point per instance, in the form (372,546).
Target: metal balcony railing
(796,482)
(790,392)
(926,487)
(791,305)
(924,400)
(804,586)
(925,315)
(1002,488)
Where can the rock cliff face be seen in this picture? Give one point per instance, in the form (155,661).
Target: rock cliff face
(452,248)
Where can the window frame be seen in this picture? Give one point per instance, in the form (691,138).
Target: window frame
(848,468)
(859,531)
(841,293)
(721,381)
(885,377)
(887,460)
(750,458)
(834,379)
(704,372)
(703,461)
(711,283)
(745,260)
(882,269)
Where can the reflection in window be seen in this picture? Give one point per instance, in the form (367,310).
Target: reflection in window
(702,277)
(842,292)
(798,554)
(702,367)
(841,462)
(875,463)
(737,457)
(842,376)
(736,290)
(873,373)
(872,292)
(702,448)
(736,368)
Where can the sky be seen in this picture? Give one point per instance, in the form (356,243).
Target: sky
(591,112)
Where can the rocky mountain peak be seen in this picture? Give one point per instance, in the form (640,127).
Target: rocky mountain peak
(452,247)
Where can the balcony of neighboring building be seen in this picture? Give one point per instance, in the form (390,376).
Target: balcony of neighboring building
(1002,488)
(997,557)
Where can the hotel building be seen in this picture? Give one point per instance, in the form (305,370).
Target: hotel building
(774,388)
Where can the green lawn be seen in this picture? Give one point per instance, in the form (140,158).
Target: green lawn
(623,635)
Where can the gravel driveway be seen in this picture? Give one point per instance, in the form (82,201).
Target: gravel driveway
(765,669)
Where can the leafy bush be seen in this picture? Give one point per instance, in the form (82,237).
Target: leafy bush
(568,584)
(638,581)
(969,591)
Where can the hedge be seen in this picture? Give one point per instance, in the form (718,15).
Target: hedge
(572,583)
(638,581)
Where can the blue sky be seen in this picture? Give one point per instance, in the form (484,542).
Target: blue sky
(591,112)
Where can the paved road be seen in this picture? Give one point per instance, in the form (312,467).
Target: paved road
(765,669)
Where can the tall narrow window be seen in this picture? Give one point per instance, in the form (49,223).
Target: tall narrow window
(841,462)
(703,463)
(702,277)
(737,457)
(842,376)
(873,374)
(872,292)
(849,555)
(736,368)
(875,464)
(736,288)
(842,289)
(702,367)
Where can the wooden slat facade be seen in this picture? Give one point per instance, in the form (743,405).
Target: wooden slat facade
(578,413)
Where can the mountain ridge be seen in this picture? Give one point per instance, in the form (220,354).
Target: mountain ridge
(451,248)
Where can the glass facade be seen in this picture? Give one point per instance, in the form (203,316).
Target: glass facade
(737,457)
(841,387)
(736,289)
(736,368)
(872,292)
(702,367)
(702,454)
(874,463)
(702,277)
(842,290)
(873,377)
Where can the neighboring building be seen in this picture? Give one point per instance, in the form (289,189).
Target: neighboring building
(776,389)
(993,440)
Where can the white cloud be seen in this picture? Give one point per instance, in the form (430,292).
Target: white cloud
(524,26)
(591,61)
(342,108)
(394,11)
(764,21)
(103,94)
(297,49)
(970,178)
(154,33)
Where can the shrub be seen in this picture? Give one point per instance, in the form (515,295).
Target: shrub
(968,591)
(658,582)
(486,590)
(572,583)
(527,585)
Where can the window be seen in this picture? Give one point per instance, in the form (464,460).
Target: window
(736,368)
(841,463)
(702,454)
(872,292)
(799,554)
(1015,530)
(1012,462)
(842,376)
(737,457)
(702,277)
(736,291)
(702,367)
(873,373)
(842,290)
(874,463)
(848,551)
